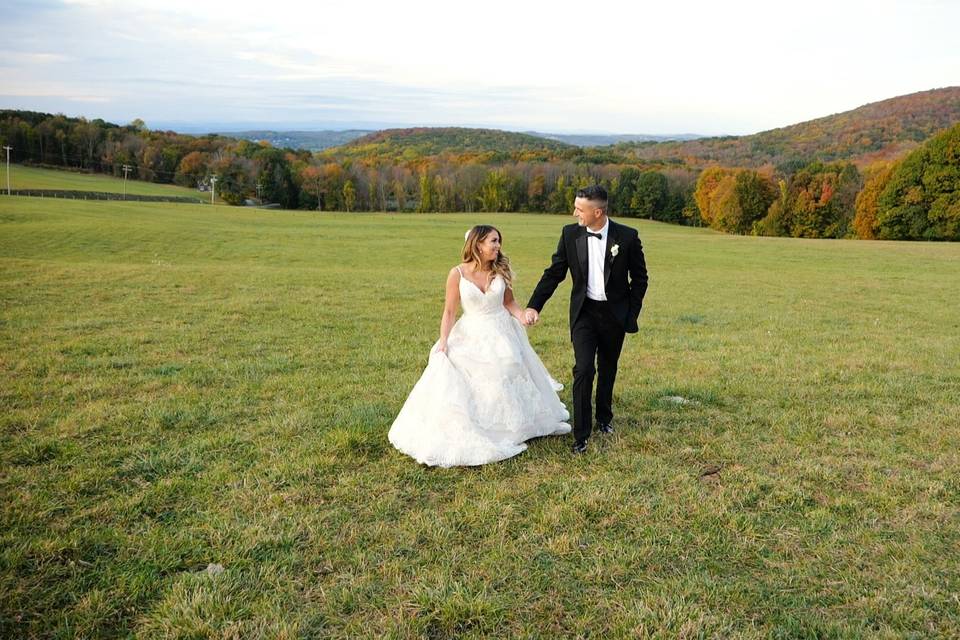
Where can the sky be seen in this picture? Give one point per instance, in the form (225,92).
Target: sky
(602,66)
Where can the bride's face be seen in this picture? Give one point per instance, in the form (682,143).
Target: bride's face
(490,246)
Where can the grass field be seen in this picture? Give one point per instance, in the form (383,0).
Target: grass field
(185,385)
(22,177)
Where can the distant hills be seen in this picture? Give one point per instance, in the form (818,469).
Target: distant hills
(877,131)
(602,140)
(883,130)
(309,140)
(320,140)
(488,146)
(483,145)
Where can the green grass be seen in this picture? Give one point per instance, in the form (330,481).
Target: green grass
(22,177)
(185,385)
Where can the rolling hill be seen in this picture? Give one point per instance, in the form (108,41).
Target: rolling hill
(876,131)
(325,139)
(486,145)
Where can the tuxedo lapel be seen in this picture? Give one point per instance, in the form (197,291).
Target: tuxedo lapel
(582,254)
(612,239)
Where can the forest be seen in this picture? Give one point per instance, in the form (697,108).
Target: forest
(910,191)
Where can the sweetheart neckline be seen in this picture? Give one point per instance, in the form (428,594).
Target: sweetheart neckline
(482,292)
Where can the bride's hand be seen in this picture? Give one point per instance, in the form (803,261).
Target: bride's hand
(441,347)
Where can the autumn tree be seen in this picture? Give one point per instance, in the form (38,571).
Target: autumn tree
(192,169)
(865,219)
(561,200)
(235,178)
(400,194)
(921,200)
(733,200)
(818,201)
(705,193)
(426,193)
(776,221)
(87,136)
(537,192)
(349,196)
(275,178)
(495,192)
(444,191)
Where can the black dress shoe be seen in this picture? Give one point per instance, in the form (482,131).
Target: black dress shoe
(580,446)
(605,427)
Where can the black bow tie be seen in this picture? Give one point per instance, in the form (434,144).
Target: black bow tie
(598,236)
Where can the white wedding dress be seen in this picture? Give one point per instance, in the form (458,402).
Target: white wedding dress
(489,393)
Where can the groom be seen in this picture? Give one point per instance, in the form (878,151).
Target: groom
(604,303)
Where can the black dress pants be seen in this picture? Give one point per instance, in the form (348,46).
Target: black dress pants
(597,338)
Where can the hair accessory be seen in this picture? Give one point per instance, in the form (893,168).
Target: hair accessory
(467,234)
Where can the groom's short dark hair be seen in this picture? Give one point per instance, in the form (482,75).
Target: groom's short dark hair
(595,194)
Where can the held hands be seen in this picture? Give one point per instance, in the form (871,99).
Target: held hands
(531,317)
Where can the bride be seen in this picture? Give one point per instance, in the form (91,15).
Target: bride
(484,391)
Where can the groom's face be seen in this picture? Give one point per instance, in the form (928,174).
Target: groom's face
(586,212)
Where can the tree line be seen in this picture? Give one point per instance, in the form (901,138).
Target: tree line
(914,198)
(544,179)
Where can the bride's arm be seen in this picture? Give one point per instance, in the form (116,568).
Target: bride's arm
(450,303)
(511,304)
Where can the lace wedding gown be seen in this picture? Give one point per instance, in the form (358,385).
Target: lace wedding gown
(485,396)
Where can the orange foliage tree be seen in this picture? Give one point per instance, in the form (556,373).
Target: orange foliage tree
(733,200)
(865,219)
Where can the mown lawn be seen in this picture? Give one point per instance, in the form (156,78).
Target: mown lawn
(191,385)
(22,177)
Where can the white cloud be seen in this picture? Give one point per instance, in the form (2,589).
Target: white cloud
(683,66)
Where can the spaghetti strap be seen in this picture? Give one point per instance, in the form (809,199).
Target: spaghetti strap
(458,271)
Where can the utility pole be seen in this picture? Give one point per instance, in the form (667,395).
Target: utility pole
(8,167)
(126,169)
(319,201)
(213,189)
(259,186)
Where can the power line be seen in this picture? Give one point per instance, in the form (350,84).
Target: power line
(126,169)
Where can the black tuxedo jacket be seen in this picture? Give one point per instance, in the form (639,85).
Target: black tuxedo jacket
(624,295)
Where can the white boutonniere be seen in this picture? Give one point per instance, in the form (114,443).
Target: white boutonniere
(614,250)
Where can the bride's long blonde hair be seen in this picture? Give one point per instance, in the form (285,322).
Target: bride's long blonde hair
(471,253)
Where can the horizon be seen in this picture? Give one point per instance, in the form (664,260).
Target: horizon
(660,70)
(200,128)
(226,128)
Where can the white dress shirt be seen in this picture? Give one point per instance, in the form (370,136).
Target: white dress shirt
(596,253)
